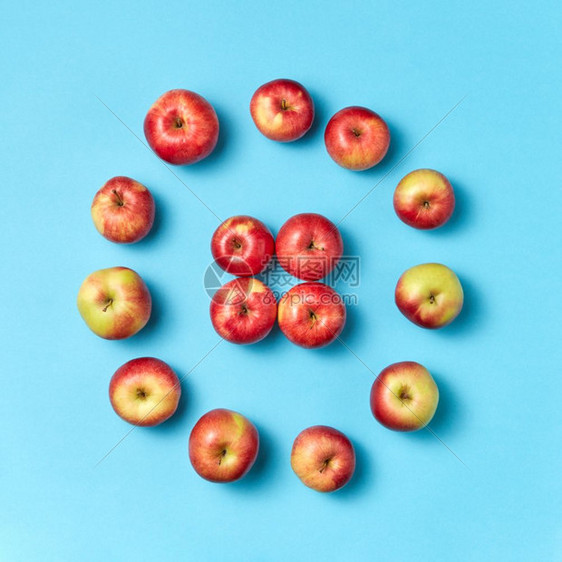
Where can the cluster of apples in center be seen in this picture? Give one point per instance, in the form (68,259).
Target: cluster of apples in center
(244,310)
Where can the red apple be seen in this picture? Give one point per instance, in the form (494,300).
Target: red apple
(115,303)
(144,391)
(323,458)
(181,127)
(242,246)
(282,110)
(424,199)
(243,310)
(123,210)
(311,315)
(223,446)
(430,295)
(404,396)
(357,138)
(309,246)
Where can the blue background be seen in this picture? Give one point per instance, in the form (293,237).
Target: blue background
(498,365)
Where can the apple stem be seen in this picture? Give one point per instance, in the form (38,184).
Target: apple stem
(312,316)
(431,299)
(109,303)
(313,246)
(179,123)
(426,204)
(356,132)
(324,465)
(222,455)
(404,393)
(284,105)
(120,201)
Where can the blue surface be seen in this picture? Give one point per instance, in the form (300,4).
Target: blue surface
(498,365)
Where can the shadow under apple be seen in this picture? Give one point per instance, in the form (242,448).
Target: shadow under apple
(266,346)
(315,135)
(158,298)
(219,152)
(396,150)
(461,215)
(158,228)
(471,316)
(261,472)
(363,477)
(347,283)
(178,421)
(448,416)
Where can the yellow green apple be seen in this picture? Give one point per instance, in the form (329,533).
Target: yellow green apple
(115,302)
(144,391)
(404,396)
(323,458)
(223,445)
(430,295)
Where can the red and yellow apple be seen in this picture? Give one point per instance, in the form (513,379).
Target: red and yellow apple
(323,458)
(242,246)
(144,391)
(311,315)
(243,311)
(123,210)
(282,110)
(430,295)
(181,127)
(424,199)
(115,303)
(223,446)
(357,138)
(309,246)
(404,396)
